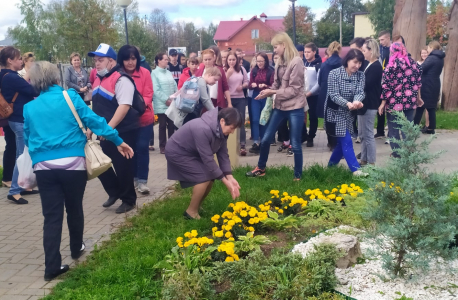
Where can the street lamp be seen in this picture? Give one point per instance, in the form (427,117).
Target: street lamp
(124,4)
(294,22)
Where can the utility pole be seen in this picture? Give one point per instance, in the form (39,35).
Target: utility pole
(200,36)
(341,12)
(294,22)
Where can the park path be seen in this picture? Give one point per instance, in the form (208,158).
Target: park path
(21,250)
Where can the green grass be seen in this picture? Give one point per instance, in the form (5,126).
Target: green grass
(122,268)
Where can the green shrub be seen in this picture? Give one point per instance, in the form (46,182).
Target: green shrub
(280,276)
(410,208)
(187,286)
(280,224)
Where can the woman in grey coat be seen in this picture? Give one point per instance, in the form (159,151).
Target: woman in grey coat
(190,155)
(76,77)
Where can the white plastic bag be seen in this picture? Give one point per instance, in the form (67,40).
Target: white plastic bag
(26,178)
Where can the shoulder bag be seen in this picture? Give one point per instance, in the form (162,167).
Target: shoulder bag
(6,109)
(97,162)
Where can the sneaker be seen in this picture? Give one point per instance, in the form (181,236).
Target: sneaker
(309,143)
(62,270)
(378,136)
(80,252)
(273,144)
(358,156)
(123,208)
(255,148)
(387,142)
(429,131)
(289,152)
(242,151)
(282,147)
(358,140)
(109,202)
(360,174)
(143,189)
(257,172)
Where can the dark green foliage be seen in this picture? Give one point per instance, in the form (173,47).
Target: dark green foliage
(381,14)
(281,276)
(414,220)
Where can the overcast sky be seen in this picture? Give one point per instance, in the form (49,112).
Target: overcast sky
(201,12)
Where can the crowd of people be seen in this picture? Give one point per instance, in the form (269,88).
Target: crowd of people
(119,99)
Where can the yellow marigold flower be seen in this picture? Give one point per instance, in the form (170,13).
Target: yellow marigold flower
(219,233)
(256,220)
(179,239)
(231,205)
(354,194)
(243,214)
(332,196)
(194,233)
(285,194)
(251,228)
(231,223)
(180,245)
(291,204)
(280,211)
(342,191)
(229,259)
(334,190)
(187,234)
(344,186)
(214,229)
(231,239)
(286,207)
(326,192)
(228,234)
(276,208)
(308,192)
(252,213)
(186,244)
(251,221)
(352,185)
(339,198)
(228,228)
(235,256)
(312,197)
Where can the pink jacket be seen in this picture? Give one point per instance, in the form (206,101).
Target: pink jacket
(144,85)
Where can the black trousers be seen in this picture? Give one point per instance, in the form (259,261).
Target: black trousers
(432,117)
(119,183)
(165,124)
(59,188)
(313,118)
(9,156)
(381,124)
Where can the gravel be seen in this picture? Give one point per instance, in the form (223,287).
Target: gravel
(362,281)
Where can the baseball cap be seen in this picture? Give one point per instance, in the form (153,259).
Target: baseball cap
(103,50)
(300,48)
(173,52)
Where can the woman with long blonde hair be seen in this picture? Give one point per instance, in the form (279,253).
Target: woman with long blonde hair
(288,89)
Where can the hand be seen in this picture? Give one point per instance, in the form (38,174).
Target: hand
(253,85)
(229,105)
(262,85)
(420,102)
(125,150)
(308,95)
(168,102)
(381,109)
(234,182)
(83,90)
(239,88)
(358,104)
(89,134)
(350,106)
(233,188)
(265,93)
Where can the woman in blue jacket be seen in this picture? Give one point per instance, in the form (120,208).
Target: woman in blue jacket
(18,91)
(333,62)
(56,146)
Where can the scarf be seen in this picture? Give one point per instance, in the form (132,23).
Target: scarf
(398,51)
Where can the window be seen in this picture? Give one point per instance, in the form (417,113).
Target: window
(255,34)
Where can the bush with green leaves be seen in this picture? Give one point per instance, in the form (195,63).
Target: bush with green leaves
(274,221)
(250,243)
(280,276)
(413,220)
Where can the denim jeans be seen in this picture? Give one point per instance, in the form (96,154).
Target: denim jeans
(141,155)
(344,148)
(296,122)
(18,129)
(393,128)
(257,131)
(240,105)
(366,132)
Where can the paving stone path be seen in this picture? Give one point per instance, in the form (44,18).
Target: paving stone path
(21,250)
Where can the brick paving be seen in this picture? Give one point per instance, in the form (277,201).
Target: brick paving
(21,250)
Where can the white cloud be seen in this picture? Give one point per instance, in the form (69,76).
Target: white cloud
(319,12)
(10,16)
(198,21)
(278,9)
(174,6)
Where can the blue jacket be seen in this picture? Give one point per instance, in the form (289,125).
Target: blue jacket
(11,84)
(51,130)
(330,64)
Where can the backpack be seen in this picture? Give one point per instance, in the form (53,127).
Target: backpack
(6,109)
(189,96)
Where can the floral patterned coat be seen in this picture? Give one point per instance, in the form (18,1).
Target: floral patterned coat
(400,85)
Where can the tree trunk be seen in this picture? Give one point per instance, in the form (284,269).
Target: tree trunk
(410,22)
(450,86)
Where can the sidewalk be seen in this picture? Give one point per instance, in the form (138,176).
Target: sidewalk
(21,250)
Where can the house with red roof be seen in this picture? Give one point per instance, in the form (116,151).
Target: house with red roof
(248,35)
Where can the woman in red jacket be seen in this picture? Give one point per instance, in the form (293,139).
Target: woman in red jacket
(219,92)
(193,65)
(129,59)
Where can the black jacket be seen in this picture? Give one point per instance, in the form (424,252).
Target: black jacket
(246,65)
(330,64)
(12,84)
(372,87)
(430,79)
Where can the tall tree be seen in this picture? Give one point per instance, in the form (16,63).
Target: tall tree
(142,37)
(381,14)
(436,24)
(161,26)
(450,88)
(327,29)
(410,22)
(207,36)
(304,23)
(346,10)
